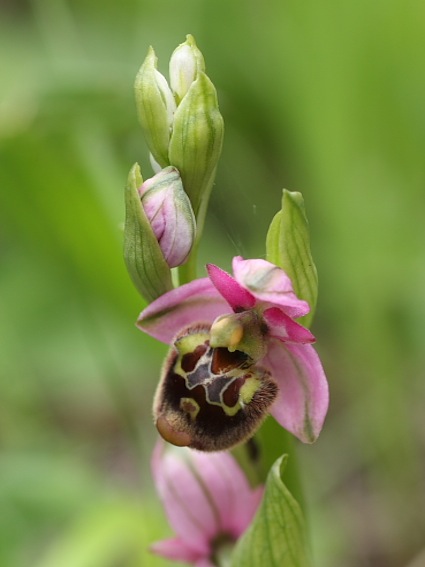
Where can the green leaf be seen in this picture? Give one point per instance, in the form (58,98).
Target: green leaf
(142,254)
(276,537)
(288,246)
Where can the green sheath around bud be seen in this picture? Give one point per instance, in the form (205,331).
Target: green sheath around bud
(155,108)
(197,139)
(142,253)
(288,246)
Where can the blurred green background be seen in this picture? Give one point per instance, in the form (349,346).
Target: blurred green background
(324,97)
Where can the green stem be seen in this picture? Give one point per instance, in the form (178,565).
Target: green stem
(292,476)
(270,443)
(223,552)
(188,271)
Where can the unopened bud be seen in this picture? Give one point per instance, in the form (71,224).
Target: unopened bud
(155,107)
(142,253)
(185,63)
(197,138)
(170,214)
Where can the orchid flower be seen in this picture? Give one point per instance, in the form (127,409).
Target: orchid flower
(208,502)
(240,329)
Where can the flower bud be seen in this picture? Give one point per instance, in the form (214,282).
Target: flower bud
(170,214)
(196,139)
(155,107)
(142,253)
(208,502)
(185,63)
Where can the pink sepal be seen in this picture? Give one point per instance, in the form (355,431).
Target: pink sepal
(303,396)
(195,302)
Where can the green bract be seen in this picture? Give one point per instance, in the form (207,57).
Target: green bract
(276,537)
(197,139)
(142,254)
(288,246)
(155,108)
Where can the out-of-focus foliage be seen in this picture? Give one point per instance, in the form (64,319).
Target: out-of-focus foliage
(325,98)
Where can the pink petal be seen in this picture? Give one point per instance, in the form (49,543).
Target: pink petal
(236,296)
(286,329)
(269,283)
(303,397)
(176,549)
(195,302)
(177,239)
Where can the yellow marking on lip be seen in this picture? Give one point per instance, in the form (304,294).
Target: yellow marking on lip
(248,389)
(190,406)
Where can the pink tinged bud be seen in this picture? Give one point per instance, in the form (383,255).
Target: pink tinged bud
(170,214)
(142,253)
(207,499)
